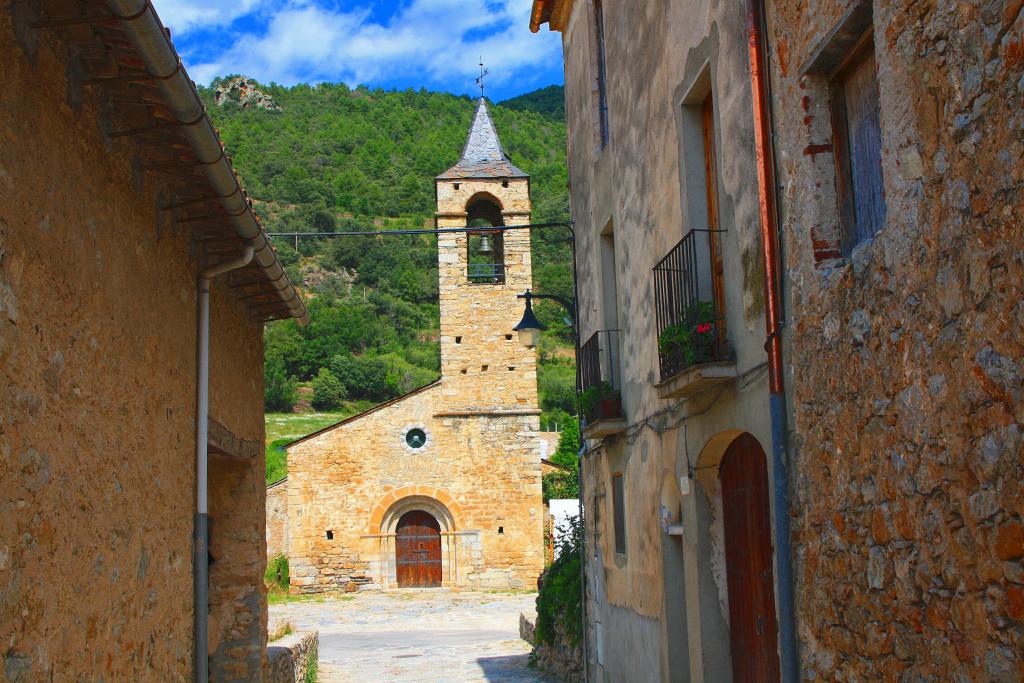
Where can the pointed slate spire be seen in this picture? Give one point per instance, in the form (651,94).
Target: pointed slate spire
(483,156)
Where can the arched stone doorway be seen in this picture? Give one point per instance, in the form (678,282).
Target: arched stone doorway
(753,628)
(402,520)
(418,550)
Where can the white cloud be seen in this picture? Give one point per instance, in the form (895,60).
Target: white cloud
(433,41)
(183,16)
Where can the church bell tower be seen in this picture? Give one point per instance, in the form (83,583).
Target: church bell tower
(483,365)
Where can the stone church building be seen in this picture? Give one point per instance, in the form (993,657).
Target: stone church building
(441,486)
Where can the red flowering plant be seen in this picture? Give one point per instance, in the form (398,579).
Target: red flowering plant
(693,337)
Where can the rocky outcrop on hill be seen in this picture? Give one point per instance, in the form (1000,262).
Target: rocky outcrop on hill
(244,91)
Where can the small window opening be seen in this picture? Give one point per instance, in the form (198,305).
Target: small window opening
(618,508)
(602,74)
(501,531)
(455,185)
(458,340)
(464,371)
(508,337)
(511,368)
(483,368)
(504,183)
(330,535)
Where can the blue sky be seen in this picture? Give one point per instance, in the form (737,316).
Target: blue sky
(382,43)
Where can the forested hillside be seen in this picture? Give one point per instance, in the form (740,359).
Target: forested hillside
(549,102)
(328,158)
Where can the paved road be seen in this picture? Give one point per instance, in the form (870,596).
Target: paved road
(425,636)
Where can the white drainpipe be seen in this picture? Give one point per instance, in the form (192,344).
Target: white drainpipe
(201,540)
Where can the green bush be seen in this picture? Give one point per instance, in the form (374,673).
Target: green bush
(564,483)
(278,388)
(276,576)
(328,391)
(364,377)
(560,485)
(277,460)
(558,603)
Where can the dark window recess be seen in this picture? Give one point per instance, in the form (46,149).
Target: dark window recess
(857,141)
(511,368)
(458,340)
(501,531)
(508,337)
(602,73)
(618,508)
(330,535)
(483,368)
(456,185)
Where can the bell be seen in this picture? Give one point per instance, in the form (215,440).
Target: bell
(485,245)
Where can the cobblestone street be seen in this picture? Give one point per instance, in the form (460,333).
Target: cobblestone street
(429,636)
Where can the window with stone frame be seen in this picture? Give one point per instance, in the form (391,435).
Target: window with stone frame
(857,142)
(845,57)
(619,513)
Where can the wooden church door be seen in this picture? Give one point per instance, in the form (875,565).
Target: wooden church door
(753,629)
(418,550)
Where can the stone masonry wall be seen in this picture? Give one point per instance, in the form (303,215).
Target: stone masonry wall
(478,347)
(277,518)
(97,364)
(289,659)
(485,470)
(907,360)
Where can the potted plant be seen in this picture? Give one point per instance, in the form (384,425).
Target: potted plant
(600,401)
(693,338)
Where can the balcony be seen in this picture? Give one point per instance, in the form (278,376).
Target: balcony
(693,351)
(486,273)
(601,411)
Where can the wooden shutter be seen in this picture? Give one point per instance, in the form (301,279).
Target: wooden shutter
(858,146)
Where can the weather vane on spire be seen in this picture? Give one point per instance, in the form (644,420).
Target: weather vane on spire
(480,80)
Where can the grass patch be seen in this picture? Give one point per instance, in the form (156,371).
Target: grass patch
(283,428)
(279,597)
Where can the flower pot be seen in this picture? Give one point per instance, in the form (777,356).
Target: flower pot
(609,408)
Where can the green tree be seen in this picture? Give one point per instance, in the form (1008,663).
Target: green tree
(278,388)
(328,391)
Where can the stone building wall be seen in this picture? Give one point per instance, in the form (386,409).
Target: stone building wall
(97,361)
(906,361)
(277,518)
(660,611)
(483,469)
(479,473)
(479,350)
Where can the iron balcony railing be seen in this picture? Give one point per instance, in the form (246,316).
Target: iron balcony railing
(690,325)
(486,273)
(600,376)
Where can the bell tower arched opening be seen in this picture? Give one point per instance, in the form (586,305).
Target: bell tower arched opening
(485,250)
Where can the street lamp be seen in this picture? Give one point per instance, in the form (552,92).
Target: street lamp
(529,328)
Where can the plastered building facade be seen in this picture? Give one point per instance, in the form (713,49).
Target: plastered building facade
(461,455)
(677,102)
(98,283)
(895,184)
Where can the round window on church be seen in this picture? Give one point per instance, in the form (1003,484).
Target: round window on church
(416,438)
